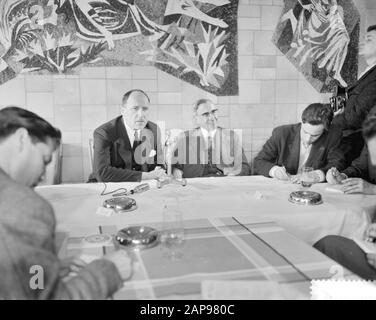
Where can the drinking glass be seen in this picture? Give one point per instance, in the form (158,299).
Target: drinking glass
(172,235)
(307,177)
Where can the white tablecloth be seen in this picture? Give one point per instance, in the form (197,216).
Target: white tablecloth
(347,215)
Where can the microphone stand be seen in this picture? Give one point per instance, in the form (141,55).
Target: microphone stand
(169,149)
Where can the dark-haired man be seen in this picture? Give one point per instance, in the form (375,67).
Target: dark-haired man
(361,98)
(343,250)
(27,222)
(128,148)
(311,143)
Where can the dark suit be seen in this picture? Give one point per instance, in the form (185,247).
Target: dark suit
(362,167)
(361,99)
(27,239)
(347,253)
(114,157)
(191,154)
(283,149)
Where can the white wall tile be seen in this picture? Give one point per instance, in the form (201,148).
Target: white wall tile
(93,116)
(41,103)
(66,91)
(13,92)
(93,91)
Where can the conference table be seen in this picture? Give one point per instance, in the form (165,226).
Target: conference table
(237,231)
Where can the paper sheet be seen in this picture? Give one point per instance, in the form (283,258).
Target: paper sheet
(338,188)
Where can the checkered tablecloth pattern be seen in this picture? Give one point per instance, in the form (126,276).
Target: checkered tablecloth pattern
(231,248)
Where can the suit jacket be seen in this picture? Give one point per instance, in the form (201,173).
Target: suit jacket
(191,153)
(27,239)
(361,98)
(283,149)
(113,153)
(362,167)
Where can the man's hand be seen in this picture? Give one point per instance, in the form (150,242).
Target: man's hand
(71,264)
(370,234)
(177,173)
(358,185)
(123,263)
(157,173)
(333,176)
(371,258)
(280,173)
(230,171)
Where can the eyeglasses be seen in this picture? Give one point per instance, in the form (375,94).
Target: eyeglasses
(214,113)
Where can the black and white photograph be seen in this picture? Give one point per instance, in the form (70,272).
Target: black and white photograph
(170,151)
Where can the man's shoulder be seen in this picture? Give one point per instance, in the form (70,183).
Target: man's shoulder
(32,204)
(286,129)
(109,126)
(334,131)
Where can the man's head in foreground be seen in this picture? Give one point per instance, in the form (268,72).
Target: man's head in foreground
(27,143)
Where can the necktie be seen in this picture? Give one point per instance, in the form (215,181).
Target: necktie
(210,150)
(136,153)
(137,140)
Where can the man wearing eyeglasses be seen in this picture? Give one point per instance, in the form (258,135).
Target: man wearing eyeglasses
(209,150)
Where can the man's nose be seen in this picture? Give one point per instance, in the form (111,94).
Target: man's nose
(140,112)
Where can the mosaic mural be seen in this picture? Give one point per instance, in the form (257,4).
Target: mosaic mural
(320,37)
(194,40)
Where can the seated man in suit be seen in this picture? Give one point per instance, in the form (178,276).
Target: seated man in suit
(345,251)
(128,148)
(311,143)
(30,267)
(209,150)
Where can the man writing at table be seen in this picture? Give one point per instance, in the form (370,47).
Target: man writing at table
(209,150)
(343,250)
(311,143)
(128,148)
(27,222)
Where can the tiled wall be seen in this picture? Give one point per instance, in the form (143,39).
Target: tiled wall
(272,92)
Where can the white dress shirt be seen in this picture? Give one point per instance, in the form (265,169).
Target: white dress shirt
(305,150)
(131,133)
(206,134)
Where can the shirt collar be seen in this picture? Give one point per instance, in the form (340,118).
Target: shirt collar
(301,139)
(206,133)
(130,131)
(367,69)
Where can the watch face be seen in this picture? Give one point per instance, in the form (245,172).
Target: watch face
(120,204)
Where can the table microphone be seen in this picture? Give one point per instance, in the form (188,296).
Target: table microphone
(140,188)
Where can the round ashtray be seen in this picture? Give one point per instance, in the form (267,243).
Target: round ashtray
(137,237)
(305,197)
(120,204)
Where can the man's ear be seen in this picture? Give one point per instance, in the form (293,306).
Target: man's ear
(22,139)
